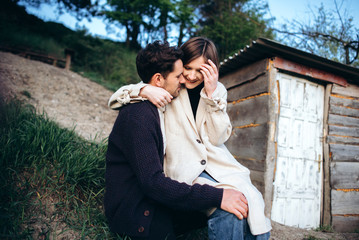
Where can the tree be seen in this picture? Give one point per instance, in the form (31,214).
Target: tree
(144,20)
(129,14)
(184,17)
(232,24)
(331,34)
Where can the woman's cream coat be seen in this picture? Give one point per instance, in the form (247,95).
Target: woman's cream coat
(197,145)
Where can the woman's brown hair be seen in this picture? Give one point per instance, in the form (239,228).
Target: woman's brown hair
(199,47)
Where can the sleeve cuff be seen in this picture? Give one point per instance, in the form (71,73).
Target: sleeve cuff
(126,95)
(217,103)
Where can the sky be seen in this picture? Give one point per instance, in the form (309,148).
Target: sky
(283,10)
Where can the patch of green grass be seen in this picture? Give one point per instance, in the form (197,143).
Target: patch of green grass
(47,175)
(310,237)
(324,228)
(26,93)
(97,78)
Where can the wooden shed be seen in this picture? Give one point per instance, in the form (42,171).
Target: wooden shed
(295,120)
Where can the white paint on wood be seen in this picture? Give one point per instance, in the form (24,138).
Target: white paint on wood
(298,184)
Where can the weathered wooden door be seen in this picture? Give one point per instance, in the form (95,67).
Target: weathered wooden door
(298,176)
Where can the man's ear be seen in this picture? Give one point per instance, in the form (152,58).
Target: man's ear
(157,80)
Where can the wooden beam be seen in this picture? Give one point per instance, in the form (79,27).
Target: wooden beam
(344,131)
(257,180)
(249,143)
(339,120)
(345,175)
(350,90)
(250,88)
(326,218)
(344,101)
(344,153)
(343,140)
(294,67)
(242,113)
(345,223)
(344,111)
(345,202)
(247,73)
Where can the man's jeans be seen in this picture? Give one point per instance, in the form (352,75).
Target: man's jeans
(223,225)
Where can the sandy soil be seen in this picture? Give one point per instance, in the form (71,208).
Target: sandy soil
(68,98)
(74,101)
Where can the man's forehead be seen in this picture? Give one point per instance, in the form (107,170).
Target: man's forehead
(178,66)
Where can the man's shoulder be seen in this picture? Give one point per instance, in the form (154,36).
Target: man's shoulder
(144,109)
(143,105)
(136,114)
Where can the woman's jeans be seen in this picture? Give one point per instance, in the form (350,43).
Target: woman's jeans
(223,225)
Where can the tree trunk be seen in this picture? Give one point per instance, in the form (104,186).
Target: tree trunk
(127,36)
(134,34)
(181,35)
(163,22)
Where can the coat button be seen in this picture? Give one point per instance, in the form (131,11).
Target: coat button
(141,229)
(199,141)
(146,213)
(203,162)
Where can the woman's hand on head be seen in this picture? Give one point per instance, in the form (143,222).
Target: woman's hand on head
(156,95)
(210,76)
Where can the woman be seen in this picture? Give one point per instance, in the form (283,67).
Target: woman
(196,126)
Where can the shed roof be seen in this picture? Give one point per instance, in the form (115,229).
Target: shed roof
(264,48)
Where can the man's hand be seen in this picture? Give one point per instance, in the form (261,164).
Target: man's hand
(235,202)
(156,95)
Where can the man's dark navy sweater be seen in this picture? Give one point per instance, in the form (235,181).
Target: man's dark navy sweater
(135,181)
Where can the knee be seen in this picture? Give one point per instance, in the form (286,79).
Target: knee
(226,219)
(225,225)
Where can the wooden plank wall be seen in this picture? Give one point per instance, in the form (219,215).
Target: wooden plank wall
(248,97)
(343,140)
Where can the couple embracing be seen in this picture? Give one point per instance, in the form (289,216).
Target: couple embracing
(167,168)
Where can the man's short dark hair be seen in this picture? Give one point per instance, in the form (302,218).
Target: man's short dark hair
(155,58)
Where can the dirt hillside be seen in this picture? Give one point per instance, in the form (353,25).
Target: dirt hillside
(74,101)
(68,98)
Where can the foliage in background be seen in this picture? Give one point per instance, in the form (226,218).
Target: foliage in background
(111,63)
(232,24)
(330,34)
(146,21)
(48,173)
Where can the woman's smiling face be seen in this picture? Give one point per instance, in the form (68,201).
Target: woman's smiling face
(192,73)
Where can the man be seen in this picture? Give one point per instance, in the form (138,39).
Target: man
(139,199)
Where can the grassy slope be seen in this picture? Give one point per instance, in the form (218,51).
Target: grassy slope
(48,174)
(51,180)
